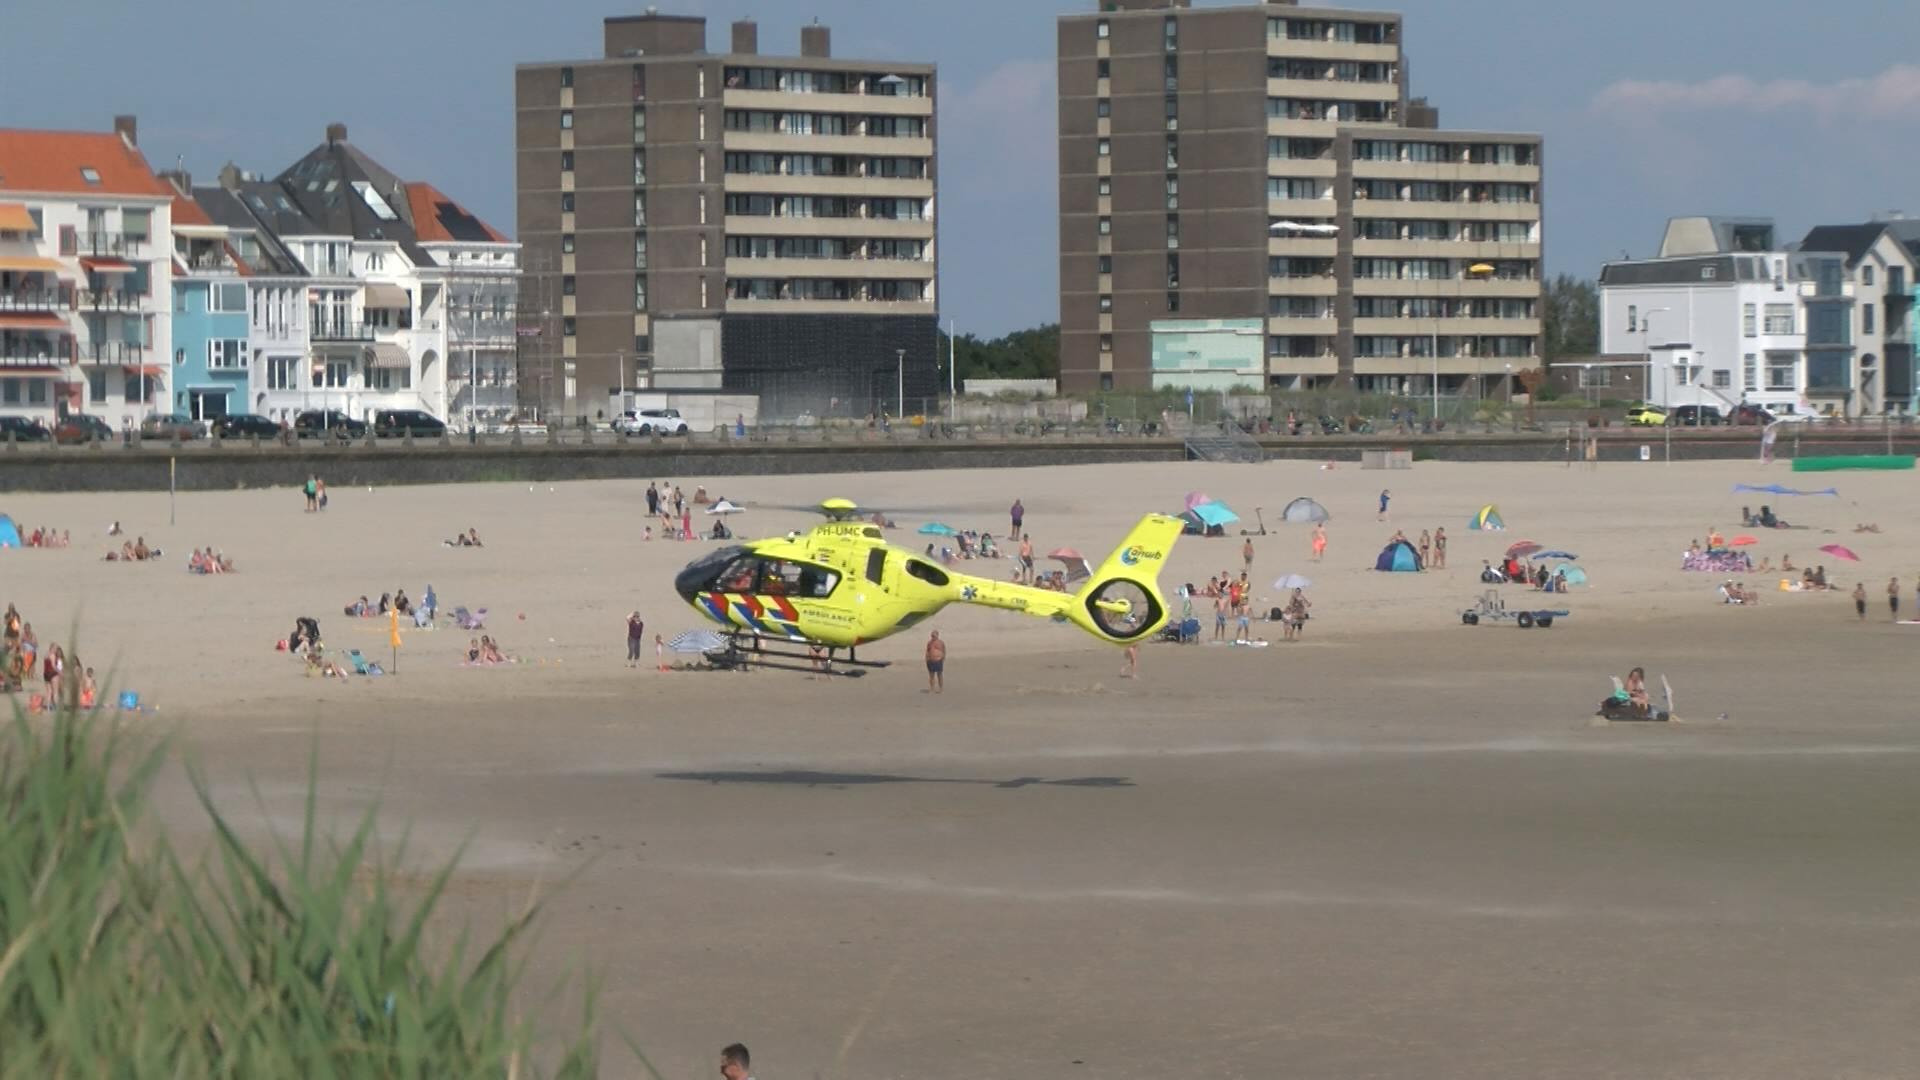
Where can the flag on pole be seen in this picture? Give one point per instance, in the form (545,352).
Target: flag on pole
(393,634)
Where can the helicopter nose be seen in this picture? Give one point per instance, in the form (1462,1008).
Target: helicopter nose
(689,581)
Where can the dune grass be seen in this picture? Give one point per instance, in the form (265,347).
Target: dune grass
(119,957)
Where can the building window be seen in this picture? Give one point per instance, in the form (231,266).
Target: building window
(1106,264)
(566,119)
(1106,380)
(1590,379)
(1102,30)
(280,372)
(1866,310)
(1106,343)
(1103,108)
(1866,273)
(639,124)
(1750,320)
(1708,273)
(639,166)
(223,354)
(1722,378)
(1171,31)
(567,326)
(1103,148)
(1779,320)
(568,283)
(566,161)
(1173,231)
(1173,113)
(1173,301)
(1106,226)
(566,244)
(1750,373)
(1173,193)
(566,202)
(639,251)
(642,344)
(1106,304)
(566,78)
(640,293)
(1633,318)
(1103,69)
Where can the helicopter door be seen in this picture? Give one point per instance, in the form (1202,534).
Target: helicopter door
(876,565)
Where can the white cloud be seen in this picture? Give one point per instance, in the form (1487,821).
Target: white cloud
(1894,92)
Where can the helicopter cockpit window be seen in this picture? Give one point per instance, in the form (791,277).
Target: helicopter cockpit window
(741,575)
(779,577)
(928,573)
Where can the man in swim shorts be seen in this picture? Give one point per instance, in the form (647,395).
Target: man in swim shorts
(936,663)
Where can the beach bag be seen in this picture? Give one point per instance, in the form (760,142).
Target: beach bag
(1275,615)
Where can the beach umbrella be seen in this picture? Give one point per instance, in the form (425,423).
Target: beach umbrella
(935,528)
(1195,498)
(1066,554)
(698,641)
(723,508)
(1523,548)
(1840,551)
(1292,581)
(1743,541)
(1555,555)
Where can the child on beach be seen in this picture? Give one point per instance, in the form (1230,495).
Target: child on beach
(1319,540)
(660,651)
(1860,600)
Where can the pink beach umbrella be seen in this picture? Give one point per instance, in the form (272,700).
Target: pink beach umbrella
(1196,498)
(1840,551)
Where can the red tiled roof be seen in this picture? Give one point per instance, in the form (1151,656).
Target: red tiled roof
(427,203)
(50,161)
(188,212)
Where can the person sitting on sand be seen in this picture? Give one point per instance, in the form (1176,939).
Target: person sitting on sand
(1715,542)
(114,530)
(386,601)
(89,690)
(1637,690)
(490,652)
(1820,577)
(473,650)
(400,602)
(472,538)
(1869,527)
(1693,549)
(1786,562)
(1766,565)
(140,549)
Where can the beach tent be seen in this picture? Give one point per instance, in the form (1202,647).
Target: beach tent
(1575,575)
(1487,518)
(1304,512)
(935,528)
(1207,517)
(9,535)
(1074,562)
(1397,555)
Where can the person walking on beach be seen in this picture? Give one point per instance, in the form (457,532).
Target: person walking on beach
(1131,666)
(736,1063)
(1246,554)
(636,636)
(320,492)
(1893,599)
(312,492)
(1017,514)
(1440,547)
(936,664)
(1384,496)
(1319,540)
(653,500)
(1860,600)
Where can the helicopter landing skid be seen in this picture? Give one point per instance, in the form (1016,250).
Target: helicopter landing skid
(744,651)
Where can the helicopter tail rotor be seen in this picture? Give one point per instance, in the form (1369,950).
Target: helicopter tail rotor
(1122,601)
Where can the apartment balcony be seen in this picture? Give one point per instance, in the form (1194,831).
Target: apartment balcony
(38,300)
(1321,49)
(860,104)
(112,245)
(1453,209)
(774,142)
(350,332)
(481,332)
(1283,326)
(1312,285)
(114,352)
(1333,90)
(112,300)
(824,184)
(907,269)
(1443,249)
(1325,247)
(1458,171)
(757,225)
(1422,327)
(829,307)
(1489,288)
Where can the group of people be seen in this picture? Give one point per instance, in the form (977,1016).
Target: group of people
(46,537)
(470,538)
(1431,547)
(395,601)
(666,501)
(484,650)
(21,659)
(1736,592)
(315,489)
(136,551)
(1893,598)
(1765,519)
(1512,571)
(209,561)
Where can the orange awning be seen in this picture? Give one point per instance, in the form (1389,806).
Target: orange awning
(107,266)
(32,320)
(30,369)
(144,369)
(14,218)
(30,264)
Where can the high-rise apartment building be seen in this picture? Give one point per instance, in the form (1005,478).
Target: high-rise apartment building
(756,224)
(1249,197)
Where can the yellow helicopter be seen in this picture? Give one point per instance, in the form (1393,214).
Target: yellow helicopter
(840,585)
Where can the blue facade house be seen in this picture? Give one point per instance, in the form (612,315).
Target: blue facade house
(210,355)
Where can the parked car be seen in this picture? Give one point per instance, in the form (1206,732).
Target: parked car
(177,426)
(322,423)
(245,425)
(1697,416)
(81,428)
(648,421)
(393,423)
(1646,415)
(1749,415)
(23,429)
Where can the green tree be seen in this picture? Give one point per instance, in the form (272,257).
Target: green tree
(1022,354)
(1570,318)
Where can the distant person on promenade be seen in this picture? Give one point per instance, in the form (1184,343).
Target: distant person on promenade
(1026,558)
(936,664)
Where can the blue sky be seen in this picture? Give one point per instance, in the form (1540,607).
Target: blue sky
(1808,113)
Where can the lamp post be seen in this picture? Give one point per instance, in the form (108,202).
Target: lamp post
(1509,380)
(1434,383)
(953,399)
(473,368)
(900,377)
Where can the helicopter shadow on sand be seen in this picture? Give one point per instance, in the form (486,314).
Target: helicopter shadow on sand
(810,778)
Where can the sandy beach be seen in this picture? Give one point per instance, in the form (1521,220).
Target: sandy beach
(1398,848)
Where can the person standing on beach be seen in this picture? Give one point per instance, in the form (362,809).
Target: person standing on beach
(653,499)
(636,636)
(1319,540)
(936,664)
(1860,600)
(1026,557)
(1440,547)
(312,492)
(320,492)
(1893,599)
(1246,554)
(1131,667)
(1220,615)
(1426,550)
(1384,496)
(1017,514)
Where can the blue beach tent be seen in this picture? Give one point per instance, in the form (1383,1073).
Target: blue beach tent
(9,535)
(1398,555)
